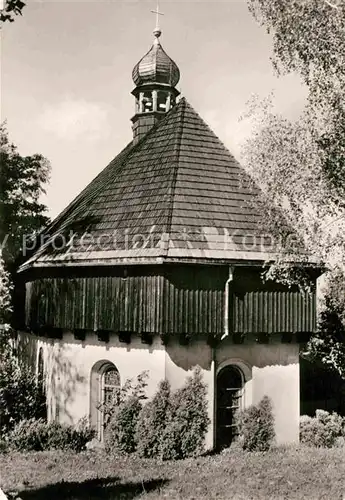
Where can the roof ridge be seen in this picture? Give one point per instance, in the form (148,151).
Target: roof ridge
(132,149)
(220,142)
(141,204)
(80,196)
(179,132)
(69,208)
(62,220)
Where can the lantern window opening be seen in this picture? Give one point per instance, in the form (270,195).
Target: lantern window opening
(147,102)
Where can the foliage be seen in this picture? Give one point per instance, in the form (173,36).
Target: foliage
(21,393)
(5,294)
(169,426)
(21,184)
(187,420)
(278,150)
(5,309)
(308,39)
(323,430)
(38,435)
(329,344)
(22,180)
(122,415)
(120,431)
(152,422)
(11,8)
(256,426)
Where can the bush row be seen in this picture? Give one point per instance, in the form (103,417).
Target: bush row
(172,425)
(324,430)
(255,427)
(38,435)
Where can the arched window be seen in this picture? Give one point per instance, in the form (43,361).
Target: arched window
(230,382)
(110,383)
(41,383)
(40,365)
(105,384)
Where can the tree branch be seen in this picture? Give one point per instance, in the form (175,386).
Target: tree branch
(331,4)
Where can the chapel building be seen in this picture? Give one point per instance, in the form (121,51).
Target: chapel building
(156,266)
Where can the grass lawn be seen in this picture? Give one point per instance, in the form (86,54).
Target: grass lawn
(279,474)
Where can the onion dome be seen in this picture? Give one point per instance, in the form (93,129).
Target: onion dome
(156,67)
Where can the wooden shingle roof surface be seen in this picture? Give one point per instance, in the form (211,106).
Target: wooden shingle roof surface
(156,67)
(178,194)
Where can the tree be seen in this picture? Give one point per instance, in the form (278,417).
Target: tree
(5,308)
(21,390)
(300,165)
(11,8)
(22,182)
(5,293)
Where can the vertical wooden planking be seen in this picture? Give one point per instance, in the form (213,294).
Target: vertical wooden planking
(220,310)
(176,311)
(196,310)
(28,302)
(141,297)
(136,311)
(156,315)
(179,302)
(208,326)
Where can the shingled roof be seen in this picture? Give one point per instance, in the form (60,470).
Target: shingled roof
(177,195)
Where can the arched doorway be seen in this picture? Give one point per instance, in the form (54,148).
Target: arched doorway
(230,382)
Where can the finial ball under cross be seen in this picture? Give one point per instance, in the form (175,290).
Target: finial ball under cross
(157,31)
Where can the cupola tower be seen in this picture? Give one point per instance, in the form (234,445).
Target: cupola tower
(155,77)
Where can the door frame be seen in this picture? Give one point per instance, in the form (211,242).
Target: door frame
(245,371)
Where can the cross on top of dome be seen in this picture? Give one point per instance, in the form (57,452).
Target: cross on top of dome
(157,31)
(156,66)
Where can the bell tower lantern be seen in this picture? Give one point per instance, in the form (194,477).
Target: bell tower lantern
(155,77)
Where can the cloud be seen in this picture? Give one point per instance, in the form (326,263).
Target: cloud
(71,119)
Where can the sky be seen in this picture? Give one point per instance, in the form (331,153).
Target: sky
(66,77)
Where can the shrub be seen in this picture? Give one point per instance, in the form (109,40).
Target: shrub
(256,426)
(323,430)
(187,420)
(21,394)
(29,435)
(120,432)
(170,426)
(38,435)
(152,422)
(123,415)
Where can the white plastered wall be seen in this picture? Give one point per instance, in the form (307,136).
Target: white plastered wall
(269,369)
(68,364)
(274,370)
